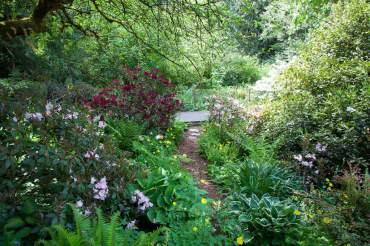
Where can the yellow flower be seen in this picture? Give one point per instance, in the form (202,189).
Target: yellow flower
(195,229)
(184,155)
(206,220)
(175,156)
(326,220)
(297,212)
(203,181)
(204,201)
(327,180)
(240,240)
(330,184)
(174,203)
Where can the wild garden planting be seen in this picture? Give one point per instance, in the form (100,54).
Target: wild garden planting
(93,151)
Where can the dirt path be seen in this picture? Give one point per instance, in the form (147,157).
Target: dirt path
(198,166)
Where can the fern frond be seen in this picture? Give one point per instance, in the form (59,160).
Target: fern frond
(99,227)
(112,229)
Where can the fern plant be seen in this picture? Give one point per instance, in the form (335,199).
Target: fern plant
(98,232)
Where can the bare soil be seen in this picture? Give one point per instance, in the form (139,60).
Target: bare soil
(198,165)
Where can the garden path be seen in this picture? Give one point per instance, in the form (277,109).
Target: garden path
(198,165)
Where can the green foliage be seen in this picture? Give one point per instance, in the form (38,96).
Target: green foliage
(261,178)
(198,232)
(175,196)
(98,231)
(217,150)
(268,219)
(237,70)
(124,133)
(25,225)
(327,92)
(56,151)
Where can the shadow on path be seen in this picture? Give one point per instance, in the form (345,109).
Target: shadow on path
(197,166)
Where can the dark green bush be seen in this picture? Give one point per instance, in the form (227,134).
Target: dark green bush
(238,70)
(326,94)
(124,133)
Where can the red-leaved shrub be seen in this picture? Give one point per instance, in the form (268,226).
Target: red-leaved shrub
(146,97)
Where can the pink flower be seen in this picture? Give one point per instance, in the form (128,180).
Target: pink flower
(141,200)
(91,154)
(320,148)
(100,189)
(102,124)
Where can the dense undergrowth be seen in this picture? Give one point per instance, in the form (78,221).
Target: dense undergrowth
(88,147)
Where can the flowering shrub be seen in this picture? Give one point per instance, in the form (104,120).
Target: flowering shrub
(43,162)
(227,111)
(326,97)
(144,96)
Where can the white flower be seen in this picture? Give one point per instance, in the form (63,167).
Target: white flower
(15,119)
(48,108)
(92,180)
(71,116)
(311,156)
(87,212)
(102,124)
(33,116)
(298,157)
(307,164)
(79,204)
(350,109)
(131,224)
(158,137)
(317,172)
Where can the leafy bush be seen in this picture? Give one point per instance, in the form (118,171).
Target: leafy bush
(238,70)
(326,95)
(268,219)
(261,178)
(175,196)
(44,164)
(145,97)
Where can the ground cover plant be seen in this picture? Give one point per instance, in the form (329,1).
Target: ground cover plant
(92,153)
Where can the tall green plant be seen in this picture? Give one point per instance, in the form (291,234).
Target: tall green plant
(99,232)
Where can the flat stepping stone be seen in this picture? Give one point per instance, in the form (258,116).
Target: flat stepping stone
(192,117)
(194,130)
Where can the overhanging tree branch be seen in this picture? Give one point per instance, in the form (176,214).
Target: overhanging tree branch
(33,23)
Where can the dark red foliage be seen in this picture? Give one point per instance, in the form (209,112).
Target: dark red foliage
(145,96)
